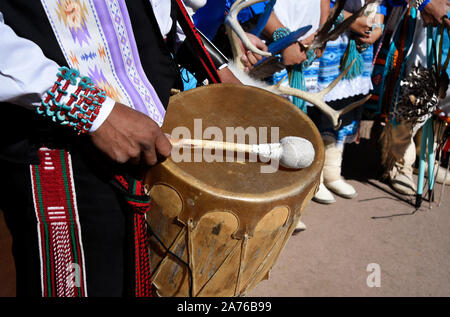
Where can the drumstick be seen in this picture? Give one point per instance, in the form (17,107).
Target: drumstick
(292,152)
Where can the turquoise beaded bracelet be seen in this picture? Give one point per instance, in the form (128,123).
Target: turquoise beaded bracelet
(78,109)
(280,33)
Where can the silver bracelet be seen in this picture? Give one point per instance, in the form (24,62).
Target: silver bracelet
(417,3)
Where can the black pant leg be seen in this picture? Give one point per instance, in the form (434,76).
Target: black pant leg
(103,220)
(17,205)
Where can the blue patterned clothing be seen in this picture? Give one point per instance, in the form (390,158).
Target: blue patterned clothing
(209,18)
(347,89)
(346,134)
(329,69)
(330,62)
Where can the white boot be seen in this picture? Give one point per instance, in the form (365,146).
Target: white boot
(299,227)
(332,170)
(401,176)
(323,195)
(342,188)
(441,177)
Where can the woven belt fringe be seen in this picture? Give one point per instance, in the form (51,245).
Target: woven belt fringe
(60,247)
(139,201)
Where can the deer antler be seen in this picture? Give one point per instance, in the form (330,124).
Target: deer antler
(235,32)
(232,24)
(317,99)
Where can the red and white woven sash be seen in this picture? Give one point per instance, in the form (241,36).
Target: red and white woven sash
(60,246)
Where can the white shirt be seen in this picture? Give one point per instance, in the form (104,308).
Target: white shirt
(295,14)
(26,74)
(162,8)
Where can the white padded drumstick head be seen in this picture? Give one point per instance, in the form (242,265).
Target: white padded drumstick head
(296,152)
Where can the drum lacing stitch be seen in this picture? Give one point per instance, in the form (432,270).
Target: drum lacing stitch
(150,233)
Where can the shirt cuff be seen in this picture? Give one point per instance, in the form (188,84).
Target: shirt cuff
(222,66)
(103,114)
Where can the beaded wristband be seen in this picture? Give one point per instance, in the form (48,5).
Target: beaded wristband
(78,109)
(423,5)
(310,57)
(378,25)
(340,18)
(280,33)
(363,47)
(420,4)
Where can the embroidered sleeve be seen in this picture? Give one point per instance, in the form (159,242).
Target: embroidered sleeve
(73,101)
(26,76)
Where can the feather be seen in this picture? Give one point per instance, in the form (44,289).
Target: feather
(266,68)
(419,95)
(246,79)
(277,46)
(262,21)
(327,33)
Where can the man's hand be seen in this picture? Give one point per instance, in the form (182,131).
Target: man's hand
(293,54)
(447,23)
(296,52)
(307,41)
(434,13)
(249,59)
(370,38)
(361,26)
(130,136)
(319,51)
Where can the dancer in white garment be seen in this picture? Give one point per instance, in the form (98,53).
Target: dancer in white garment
(354,44)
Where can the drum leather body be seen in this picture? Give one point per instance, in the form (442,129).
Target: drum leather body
(226,221)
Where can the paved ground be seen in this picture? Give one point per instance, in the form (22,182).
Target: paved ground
(331,257)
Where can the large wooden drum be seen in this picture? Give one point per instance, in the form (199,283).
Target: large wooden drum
(219,227)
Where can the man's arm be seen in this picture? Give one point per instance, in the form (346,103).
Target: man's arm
(374,35)
(122,133)
(130,136)
(293,54)
(26,74)
(435,12)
